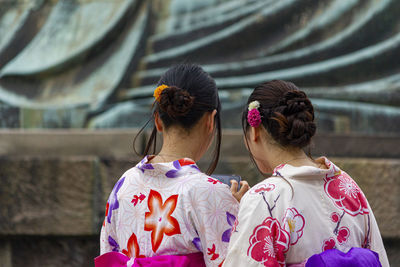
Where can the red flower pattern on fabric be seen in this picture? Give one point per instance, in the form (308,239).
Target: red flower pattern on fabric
(212,252)
(346,194)
(328,244)
(343,235)
(214,181)
(138,199)
(268,243)
(262,188)
(185,161)
(293,223)
(133,248)
(335,217)
(159,220)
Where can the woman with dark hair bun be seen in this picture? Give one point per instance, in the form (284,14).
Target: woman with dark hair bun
(165,211)
(309,212)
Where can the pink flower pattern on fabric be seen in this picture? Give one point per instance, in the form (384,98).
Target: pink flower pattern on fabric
(343,235)
(329,244)
(268,243)
(346,194)
(262,188)
(293,223)
(335,217)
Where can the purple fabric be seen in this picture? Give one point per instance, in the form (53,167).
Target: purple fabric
(144,166)
(230,218)
(197,243)
(354,257)
(189,260)
(113,200)
(113,243)
(111,259)
(174,173)
(177,165)
(116,259)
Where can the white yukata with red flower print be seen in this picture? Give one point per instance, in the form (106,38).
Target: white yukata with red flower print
(299,212)
(169,209)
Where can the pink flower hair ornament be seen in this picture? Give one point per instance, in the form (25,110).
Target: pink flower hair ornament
(254,116)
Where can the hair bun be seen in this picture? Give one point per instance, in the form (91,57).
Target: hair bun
(296,101)
(175,101)
(296,119)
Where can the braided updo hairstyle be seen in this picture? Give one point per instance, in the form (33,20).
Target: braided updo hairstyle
(286,113)
(190,93)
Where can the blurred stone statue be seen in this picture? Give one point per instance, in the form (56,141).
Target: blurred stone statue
(94,63)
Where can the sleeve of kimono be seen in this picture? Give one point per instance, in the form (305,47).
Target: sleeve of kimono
(258,238)
(213,211)
(375,239)
(108,238)
(108,235)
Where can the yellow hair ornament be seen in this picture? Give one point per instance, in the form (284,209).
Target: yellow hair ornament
(158,91)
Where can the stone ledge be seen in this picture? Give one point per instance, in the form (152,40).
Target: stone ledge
(119,143)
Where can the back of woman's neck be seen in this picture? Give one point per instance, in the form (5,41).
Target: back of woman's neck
(293,157)
(171,152)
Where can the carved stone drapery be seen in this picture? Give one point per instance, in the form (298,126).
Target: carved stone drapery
(94,63)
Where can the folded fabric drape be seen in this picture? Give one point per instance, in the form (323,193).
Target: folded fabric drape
(354,257)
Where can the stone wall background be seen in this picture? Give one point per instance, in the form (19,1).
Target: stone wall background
(54,185)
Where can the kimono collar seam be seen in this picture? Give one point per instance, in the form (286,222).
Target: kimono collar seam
(306,172)
(173,166)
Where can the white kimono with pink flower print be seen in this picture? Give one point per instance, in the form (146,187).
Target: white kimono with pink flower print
(169,209)
(287,220)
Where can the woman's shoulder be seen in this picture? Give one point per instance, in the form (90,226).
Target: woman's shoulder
(201,179)
(269,185)
(125,180)
(201,186)
(271,190)
(131,173)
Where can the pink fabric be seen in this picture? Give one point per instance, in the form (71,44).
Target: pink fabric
(111,259)
(116,259)
(192,260)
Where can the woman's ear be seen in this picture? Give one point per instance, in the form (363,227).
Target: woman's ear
(158,122)
(211,121)
(254,134)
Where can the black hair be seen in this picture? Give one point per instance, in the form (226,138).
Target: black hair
(286,113)
(190,92)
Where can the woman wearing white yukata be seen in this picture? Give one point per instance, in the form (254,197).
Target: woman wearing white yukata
(307,206)
(165,206)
